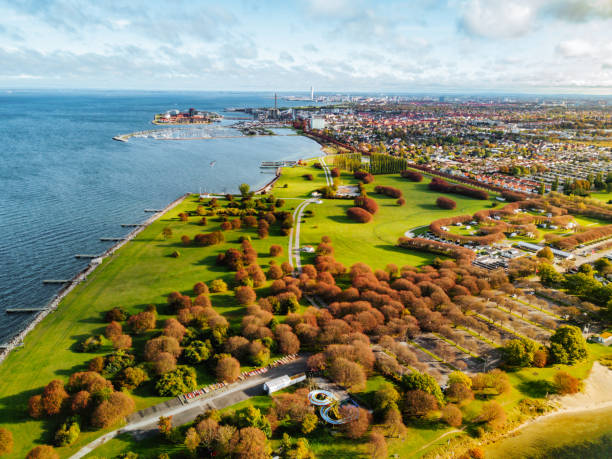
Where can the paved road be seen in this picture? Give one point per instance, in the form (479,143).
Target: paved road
(144,423)
(328,177)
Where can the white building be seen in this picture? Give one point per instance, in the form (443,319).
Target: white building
(282,382)
(317,123)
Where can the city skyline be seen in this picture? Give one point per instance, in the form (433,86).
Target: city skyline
(517,46)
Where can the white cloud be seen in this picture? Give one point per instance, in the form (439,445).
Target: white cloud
(497,19)
(575,48)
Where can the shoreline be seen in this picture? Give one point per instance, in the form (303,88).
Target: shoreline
(17,340)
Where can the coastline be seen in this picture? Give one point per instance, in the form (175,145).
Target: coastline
(81,276)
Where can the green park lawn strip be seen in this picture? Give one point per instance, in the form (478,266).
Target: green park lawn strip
(486,319)
(552,314)
(531,322)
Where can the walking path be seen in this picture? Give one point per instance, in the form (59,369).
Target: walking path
(328,177)
(182,414)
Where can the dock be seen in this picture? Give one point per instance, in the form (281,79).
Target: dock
(278,164)
(113,239)
(132,225)
(153,210)
(56,281)
(86,255)
(19,310)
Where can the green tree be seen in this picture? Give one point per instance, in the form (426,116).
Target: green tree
(458,377)
(422,381)
(244,189)
(520,352)
(567,345)
(385,397)
(309,423)
(548,274)
(178,381)
(251,416)
(546,253)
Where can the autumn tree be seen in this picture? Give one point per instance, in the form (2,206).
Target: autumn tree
(493,414)
(227,369)
(359,426)
(418,403)
(249,443)
(53,397)
(348,374)
(452,415)
(385,397)
(164,426)
(192,440)
(110,411)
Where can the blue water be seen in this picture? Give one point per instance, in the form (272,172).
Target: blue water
(64,183)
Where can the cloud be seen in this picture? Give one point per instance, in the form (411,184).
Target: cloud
(575,48)
(493,19)
(286,57)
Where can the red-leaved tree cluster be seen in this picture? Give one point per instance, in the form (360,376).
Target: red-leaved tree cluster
(438,184)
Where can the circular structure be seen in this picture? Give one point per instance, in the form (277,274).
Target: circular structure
(329,406)
(321,397)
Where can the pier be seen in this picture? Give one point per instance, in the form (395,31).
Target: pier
(276,164)
(86,255)
(19,310)
(153,210)
(113,239)
(56,281)
(132,225)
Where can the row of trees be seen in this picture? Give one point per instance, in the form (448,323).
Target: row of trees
(438,184)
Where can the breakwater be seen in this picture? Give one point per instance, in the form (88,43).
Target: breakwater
(80,277)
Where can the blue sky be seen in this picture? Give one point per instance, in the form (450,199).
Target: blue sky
(532,46)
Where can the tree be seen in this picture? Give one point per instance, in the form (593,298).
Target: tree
(418,403)
(393,423)
(218,286)
(164,426)
(6,441)
(245,295)
(546,253)
(359,215)
(251,416)
(208,431)
(167,232)
(192,440)
(53,397)
(42,452)
(288,343)
(228,368)
(348,374)
(548,274)
(110,411)
(493,414)
(459,392)
(176,382)
(567,345)
(566,383)
(309,423)
(422,381)
(359,426)
(385,397)
(142,322)
(68,433)
(249,443)
(520,352)
(132,377)
(122,342)
(540,358)
(244,189)
(452,415)
(378,446)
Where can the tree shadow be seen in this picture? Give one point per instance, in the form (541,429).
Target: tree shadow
(428,206)
(536,389)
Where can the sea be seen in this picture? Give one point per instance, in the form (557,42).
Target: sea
(64,183)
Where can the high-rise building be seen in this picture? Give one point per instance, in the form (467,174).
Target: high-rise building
(311,93)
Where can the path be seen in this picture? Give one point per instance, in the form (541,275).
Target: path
(143,425)
(328,177)
(437,439)
(295,259)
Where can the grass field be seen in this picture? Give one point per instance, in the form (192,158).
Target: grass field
(374,243)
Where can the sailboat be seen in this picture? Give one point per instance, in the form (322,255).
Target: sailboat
(212,163)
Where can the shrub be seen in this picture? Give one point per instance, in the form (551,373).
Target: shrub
(401,202)
(175,254)
(142,322)
(412,175)
(67,434)
(388,191)
(42,452)
(208,239)
(218,286)
(359,215)
(566,383)
(493,414)
(155,346)
(245,295)
(335,172)
(445,203)
(6,441)
(366,203)
(116,314)
(308,177)
(276,250)
(226,226)
(438,184)
(452,415)
(132,377)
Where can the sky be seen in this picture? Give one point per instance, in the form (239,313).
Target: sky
(528,46)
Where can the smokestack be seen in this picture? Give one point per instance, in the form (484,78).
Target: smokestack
(274,101)
(311,93)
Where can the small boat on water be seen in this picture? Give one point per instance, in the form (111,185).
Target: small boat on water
(212,163)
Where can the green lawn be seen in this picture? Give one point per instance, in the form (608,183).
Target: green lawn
(374,243)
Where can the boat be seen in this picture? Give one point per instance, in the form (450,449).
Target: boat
(212,163)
